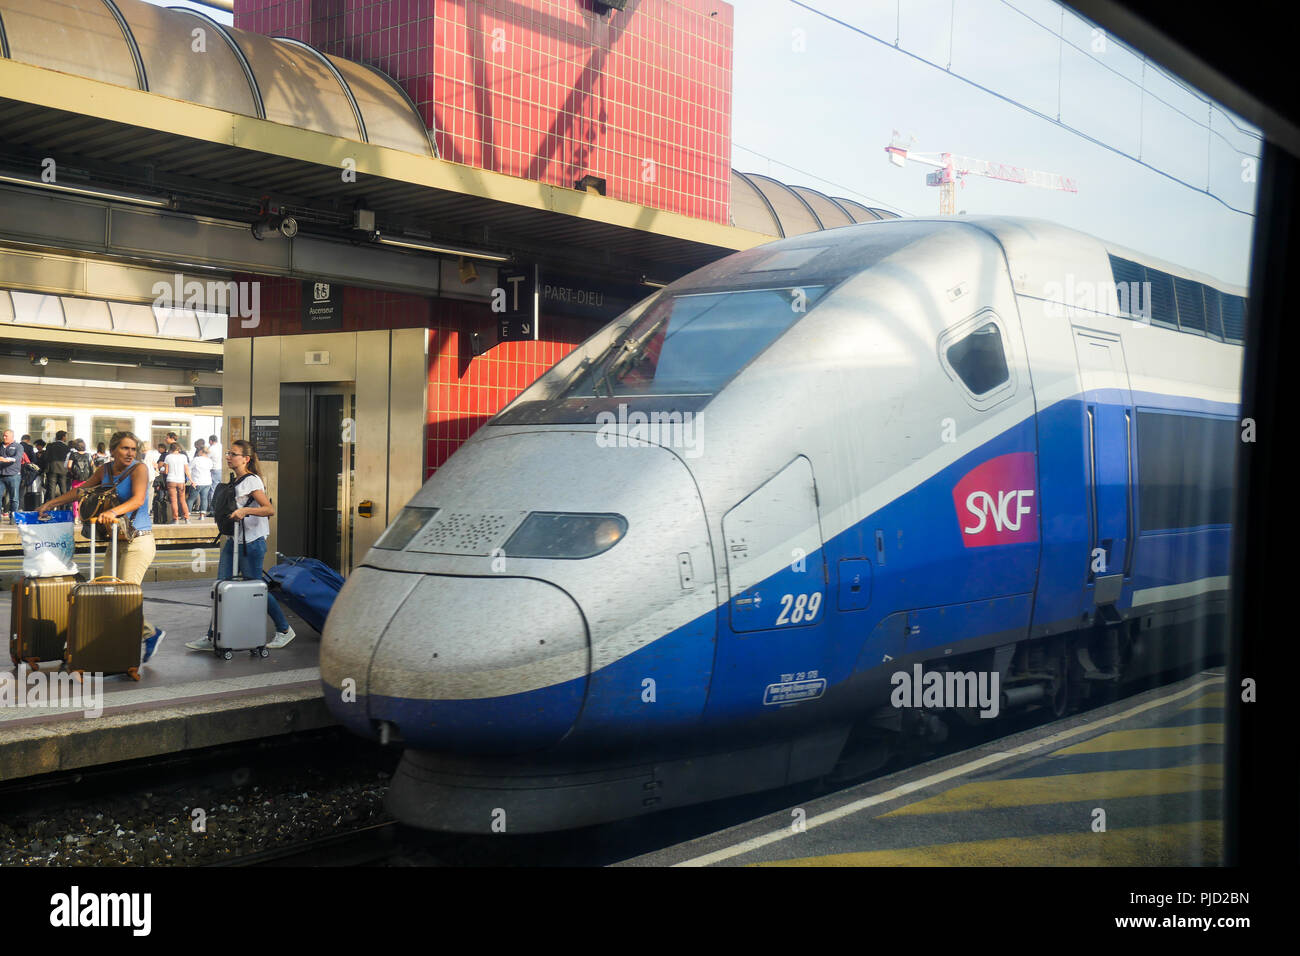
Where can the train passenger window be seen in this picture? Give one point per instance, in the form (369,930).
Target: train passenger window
(1213,319)
(1164,313)
(979,359)
(1191,305)
(1185,470)
(1234,317)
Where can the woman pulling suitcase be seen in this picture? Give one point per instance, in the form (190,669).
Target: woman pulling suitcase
(252,508)
(130,478)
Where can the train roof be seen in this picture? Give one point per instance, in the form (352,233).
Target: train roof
(1021,236)
(1036,249)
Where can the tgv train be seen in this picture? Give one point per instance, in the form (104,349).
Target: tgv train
(692,559)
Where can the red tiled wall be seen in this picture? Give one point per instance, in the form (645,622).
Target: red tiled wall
(464,390)
(464,393)
(551,90)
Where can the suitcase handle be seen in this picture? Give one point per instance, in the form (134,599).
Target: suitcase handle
(94,525)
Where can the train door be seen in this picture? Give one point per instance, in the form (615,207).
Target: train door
(1108,423)
(317,472)
(772,648)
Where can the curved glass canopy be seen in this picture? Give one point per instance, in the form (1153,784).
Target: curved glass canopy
(188,56)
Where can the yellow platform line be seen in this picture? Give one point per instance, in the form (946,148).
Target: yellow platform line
(1169,844)
(1208,700)
(1148,738)
(1067,788)
(911,786)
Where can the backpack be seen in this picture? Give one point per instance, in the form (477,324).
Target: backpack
(223,505)
(81,467)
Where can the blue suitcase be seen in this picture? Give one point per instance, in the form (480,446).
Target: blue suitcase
(308,586)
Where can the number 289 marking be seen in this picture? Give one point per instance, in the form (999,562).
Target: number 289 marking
(799,608)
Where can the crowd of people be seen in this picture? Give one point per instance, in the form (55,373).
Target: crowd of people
(180,483)
(34,472)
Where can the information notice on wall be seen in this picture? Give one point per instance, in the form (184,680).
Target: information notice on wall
(265,436)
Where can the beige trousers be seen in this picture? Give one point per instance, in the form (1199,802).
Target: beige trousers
(132,563)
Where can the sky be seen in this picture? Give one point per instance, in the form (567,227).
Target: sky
(815,103)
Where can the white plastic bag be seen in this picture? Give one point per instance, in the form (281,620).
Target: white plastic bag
(47,543)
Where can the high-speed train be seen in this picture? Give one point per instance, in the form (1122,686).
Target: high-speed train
(704,554)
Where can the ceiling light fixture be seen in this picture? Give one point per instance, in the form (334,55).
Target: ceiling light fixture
(444,250)
(80,361)
(113,195)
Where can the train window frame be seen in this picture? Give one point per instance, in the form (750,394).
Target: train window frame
(962,330)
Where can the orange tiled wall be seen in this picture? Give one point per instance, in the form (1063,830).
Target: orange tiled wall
(551,90)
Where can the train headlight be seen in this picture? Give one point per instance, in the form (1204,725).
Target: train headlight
(402,530)
(549,534)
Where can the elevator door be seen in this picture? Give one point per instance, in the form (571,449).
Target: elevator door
(317,470)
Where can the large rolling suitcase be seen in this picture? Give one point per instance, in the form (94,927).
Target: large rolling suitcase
(239,621)
(38,619)
(105,622)
(308,586)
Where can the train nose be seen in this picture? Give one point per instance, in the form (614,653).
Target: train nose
(456,664)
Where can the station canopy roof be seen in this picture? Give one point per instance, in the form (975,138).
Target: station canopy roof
(71,312)
(186,56)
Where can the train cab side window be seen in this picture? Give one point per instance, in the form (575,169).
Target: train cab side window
(979,359)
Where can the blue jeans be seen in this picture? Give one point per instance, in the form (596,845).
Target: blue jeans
(254,553)
(205,498)
(9,488)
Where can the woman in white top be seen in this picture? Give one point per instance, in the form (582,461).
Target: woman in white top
(178,473)
(201,472)
(252,508)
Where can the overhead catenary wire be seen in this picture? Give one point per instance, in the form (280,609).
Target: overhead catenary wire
(1021,106)
(1141,85)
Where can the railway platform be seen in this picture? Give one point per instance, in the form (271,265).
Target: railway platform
(178,557)
(1136,783)
(185,700)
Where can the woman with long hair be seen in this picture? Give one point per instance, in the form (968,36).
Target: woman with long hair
(252,509)
(130,476)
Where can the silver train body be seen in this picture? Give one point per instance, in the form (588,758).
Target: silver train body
(820,462)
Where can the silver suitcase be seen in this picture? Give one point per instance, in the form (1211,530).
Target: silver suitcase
(239,621)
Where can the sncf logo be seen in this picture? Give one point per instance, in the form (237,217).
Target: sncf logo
(995,502)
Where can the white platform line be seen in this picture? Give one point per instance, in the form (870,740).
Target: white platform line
(850,808)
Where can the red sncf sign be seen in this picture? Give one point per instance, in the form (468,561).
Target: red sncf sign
(997,502)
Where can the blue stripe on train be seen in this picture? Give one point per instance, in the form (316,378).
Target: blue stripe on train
(949,593)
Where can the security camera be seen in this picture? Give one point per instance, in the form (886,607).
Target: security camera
(38,360)
(270,227)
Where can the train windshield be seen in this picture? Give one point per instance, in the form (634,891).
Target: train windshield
(675,356)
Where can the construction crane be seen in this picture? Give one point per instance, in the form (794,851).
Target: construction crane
(949,168)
